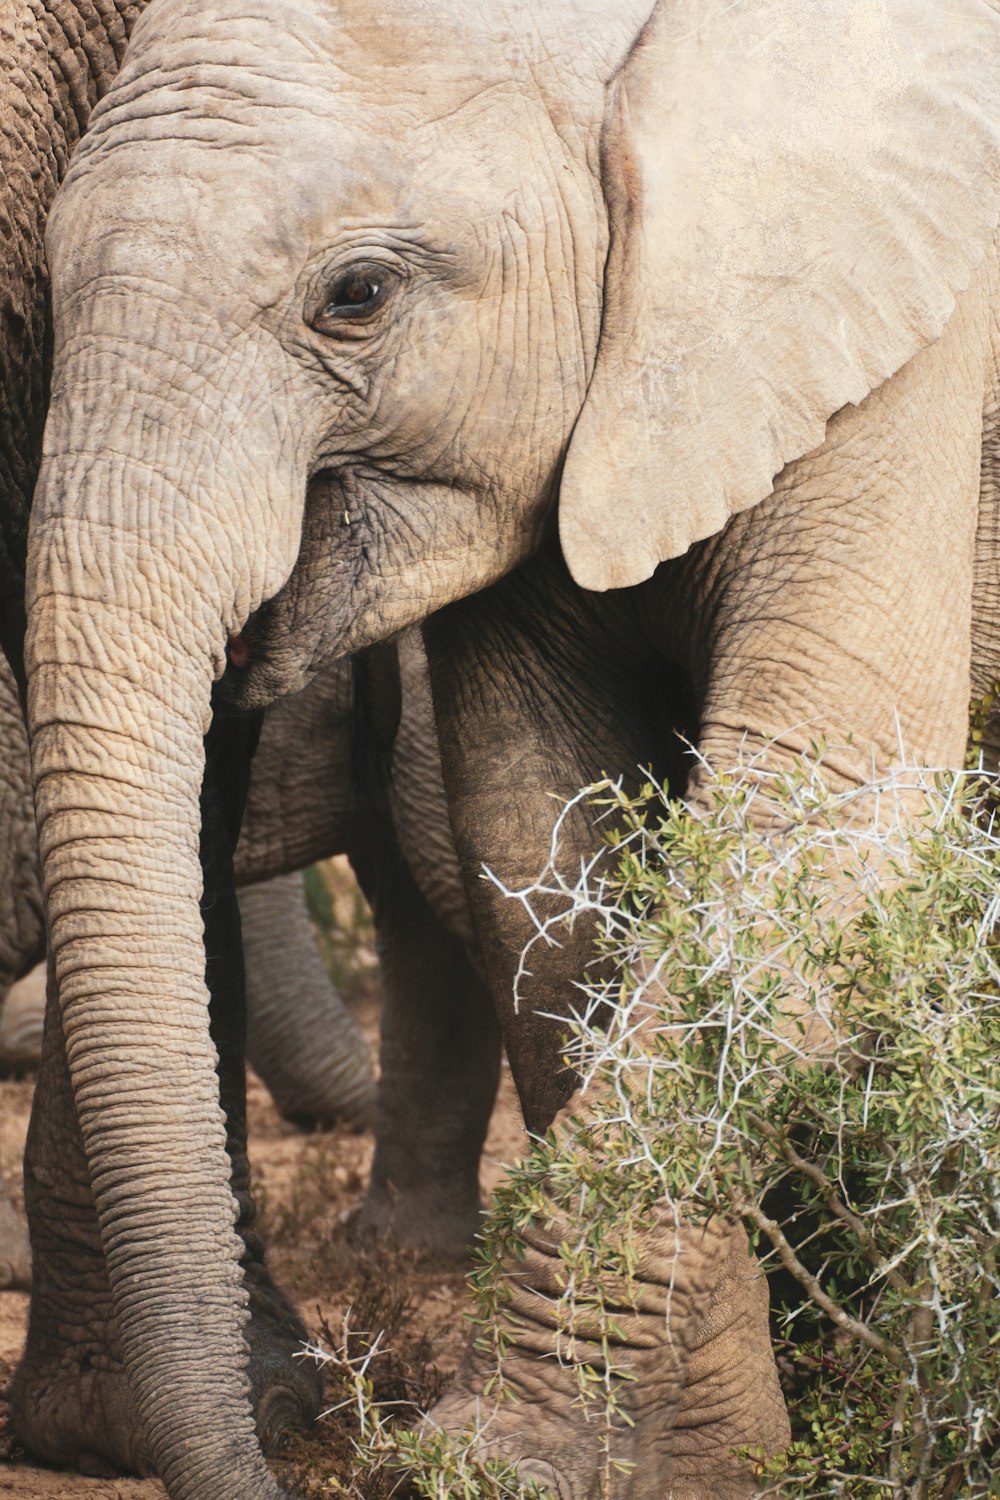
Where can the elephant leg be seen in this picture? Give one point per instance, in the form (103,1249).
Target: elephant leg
(22,942)
(301,1038)
(839,608)
(440,1064)
(696,1317)
(522,716)
(70,1399)
(22,925)
(22,1015)
(285,1389)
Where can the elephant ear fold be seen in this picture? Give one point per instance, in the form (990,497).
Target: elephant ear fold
(797,190)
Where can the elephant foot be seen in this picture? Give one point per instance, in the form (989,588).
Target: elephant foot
(75,1410)
(285,1385)
(692,1378)
(423,1219)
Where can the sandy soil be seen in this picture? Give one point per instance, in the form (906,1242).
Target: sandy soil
(307,1186)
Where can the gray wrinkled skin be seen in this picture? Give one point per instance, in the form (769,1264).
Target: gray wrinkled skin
(301,1039)
(280,953)
(708,290)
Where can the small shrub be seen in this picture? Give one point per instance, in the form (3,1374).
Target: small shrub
(797,1004)
(363,1371)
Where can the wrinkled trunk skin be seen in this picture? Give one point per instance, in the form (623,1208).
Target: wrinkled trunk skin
(301,1038)
(118,707)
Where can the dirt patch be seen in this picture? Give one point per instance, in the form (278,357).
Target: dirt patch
(308,1187)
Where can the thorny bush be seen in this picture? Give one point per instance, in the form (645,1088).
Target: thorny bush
(816,1056)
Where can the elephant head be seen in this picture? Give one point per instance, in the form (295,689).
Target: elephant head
(344,297)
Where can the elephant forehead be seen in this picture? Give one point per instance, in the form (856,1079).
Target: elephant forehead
(401,33)
(433,53)
(256,145)
(169,206)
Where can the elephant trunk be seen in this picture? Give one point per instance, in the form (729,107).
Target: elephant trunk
(301,1038)
(128,608)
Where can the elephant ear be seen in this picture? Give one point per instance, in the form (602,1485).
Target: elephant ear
(797,190)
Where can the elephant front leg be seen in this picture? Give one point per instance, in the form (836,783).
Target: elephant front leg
(440,1064)
(669,1401)
(69,1399)
(523,719)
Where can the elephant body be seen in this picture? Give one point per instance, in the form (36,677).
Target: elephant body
(647,355)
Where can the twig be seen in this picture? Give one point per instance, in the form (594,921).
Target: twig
(896,1451)
(953,1479)
(791,1262)
(832,1200)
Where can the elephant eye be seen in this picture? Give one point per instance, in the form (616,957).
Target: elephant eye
(355,291)
(355,294)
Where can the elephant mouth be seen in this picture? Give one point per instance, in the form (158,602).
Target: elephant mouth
(239,652)
(263,663)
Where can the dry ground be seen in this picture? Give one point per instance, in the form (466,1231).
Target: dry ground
(307,1187)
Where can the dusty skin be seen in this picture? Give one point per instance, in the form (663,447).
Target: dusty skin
(307,1185)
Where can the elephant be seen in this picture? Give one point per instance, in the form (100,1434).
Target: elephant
(646,357)
(301,1041)
(21,943)
(328,792)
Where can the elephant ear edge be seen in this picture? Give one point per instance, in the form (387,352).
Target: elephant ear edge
(797,192)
